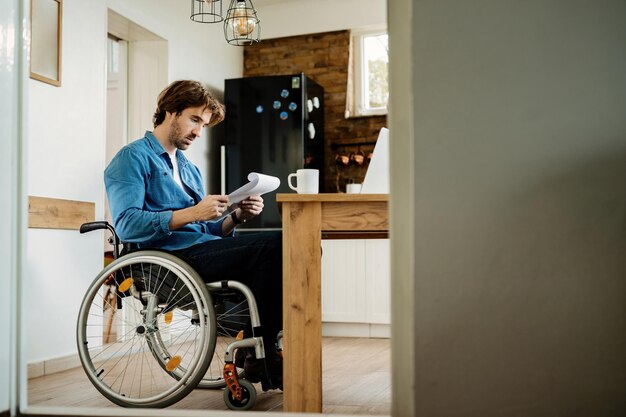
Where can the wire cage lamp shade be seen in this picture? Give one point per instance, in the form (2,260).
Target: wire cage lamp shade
(241,24)
(206,11)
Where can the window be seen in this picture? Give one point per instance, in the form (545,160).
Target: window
(369,81)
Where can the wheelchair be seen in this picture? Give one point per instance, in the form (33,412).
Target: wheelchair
(175,332)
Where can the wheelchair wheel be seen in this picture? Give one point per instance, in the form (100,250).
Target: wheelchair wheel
(247,400)
(164,332)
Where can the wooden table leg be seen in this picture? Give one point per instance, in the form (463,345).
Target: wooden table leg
(302,307)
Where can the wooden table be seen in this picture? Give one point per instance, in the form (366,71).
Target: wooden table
(306,219)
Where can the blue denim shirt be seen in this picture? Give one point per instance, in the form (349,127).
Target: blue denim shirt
(142,195)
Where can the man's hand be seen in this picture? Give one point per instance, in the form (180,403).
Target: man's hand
(250,207)
(211,207)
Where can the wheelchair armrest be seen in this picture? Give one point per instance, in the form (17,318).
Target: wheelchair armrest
(114,240)
(91,226)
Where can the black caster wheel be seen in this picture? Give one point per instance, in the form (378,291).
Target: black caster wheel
(247,400)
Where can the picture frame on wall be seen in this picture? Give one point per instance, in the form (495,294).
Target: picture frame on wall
(46,24)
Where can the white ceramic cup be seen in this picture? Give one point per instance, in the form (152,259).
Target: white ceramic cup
(353,188)
(307,181)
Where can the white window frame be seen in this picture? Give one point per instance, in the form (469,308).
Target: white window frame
(359,71)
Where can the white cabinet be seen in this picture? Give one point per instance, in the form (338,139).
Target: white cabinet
(356,288)
(378,278)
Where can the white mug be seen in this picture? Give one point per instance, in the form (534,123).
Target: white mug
(307,181)
(353,188)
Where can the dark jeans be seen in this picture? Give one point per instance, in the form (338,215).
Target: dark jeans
(254,259)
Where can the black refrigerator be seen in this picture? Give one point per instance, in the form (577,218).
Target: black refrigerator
(274,125)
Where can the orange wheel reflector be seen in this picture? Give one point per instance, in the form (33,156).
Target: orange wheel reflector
(239,335)
(168,317)
(126,284)
(173,363)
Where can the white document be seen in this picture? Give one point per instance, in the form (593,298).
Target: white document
(258,184)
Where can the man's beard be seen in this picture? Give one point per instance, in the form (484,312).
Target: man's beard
(176,138)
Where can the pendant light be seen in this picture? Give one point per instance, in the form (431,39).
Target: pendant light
(206,11)
(241,24)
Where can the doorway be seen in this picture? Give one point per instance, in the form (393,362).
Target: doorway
(130,50)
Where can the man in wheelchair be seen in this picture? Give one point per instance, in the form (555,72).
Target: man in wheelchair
(157,200)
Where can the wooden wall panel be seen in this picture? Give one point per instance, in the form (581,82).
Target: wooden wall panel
(54,213)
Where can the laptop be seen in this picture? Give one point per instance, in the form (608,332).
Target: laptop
(376,179)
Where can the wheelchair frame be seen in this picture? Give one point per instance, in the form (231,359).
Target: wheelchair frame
(169,336)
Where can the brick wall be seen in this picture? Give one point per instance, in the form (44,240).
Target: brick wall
(323,57)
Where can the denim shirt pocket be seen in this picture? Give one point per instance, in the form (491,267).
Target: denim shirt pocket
(192,180)
(161,190)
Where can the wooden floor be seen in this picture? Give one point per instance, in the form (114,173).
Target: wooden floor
(356,380)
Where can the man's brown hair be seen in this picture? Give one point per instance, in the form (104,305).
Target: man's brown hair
(182,94)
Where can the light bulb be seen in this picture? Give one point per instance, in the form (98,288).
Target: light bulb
(243,24)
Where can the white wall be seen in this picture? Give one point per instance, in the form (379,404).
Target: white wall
(299,17)
(66,144)
(519,149)
(402,206)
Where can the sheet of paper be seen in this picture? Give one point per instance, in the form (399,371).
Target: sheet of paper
(258,184)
